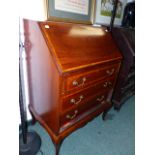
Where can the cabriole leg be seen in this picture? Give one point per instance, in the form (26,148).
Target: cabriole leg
(57,147)
(104,115)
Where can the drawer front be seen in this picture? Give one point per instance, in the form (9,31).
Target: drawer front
(101,99)
(72,116)
(83,96)
(81,80)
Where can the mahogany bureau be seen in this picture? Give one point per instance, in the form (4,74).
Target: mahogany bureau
(72,69)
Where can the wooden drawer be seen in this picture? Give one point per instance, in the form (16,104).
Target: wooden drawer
(83,96)
(101,99)
(70,117)
(83,79)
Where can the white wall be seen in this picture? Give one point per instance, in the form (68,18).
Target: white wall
(34,10)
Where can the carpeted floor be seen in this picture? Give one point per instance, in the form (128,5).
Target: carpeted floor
(115,136)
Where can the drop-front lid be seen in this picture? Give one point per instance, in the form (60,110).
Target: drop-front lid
(76,46)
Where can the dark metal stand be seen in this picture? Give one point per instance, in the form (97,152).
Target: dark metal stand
(29,141)
(113,15)
(32,145)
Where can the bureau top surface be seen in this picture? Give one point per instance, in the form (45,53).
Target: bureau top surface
(75,46)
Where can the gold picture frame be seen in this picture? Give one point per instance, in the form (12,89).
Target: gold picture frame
(60,10)
(103,12)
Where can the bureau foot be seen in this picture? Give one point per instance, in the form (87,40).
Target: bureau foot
(104,115)
(57,148)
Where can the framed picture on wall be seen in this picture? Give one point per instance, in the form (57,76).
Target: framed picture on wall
(78,11)
(103,12)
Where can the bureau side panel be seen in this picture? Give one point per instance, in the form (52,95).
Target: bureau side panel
(43,77)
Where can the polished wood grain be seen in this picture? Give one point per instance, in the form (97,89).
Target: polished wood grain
(42,76)
(75,113)
(59,54)
(82,96)
(87,78)
(75,46)
(92,75)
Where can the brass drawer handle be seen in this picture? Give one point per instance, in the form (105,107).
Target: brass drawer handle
(110,72)
(72,116)
(107,84)
(102,102)
(75,83)
(101,99)
(77,102)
